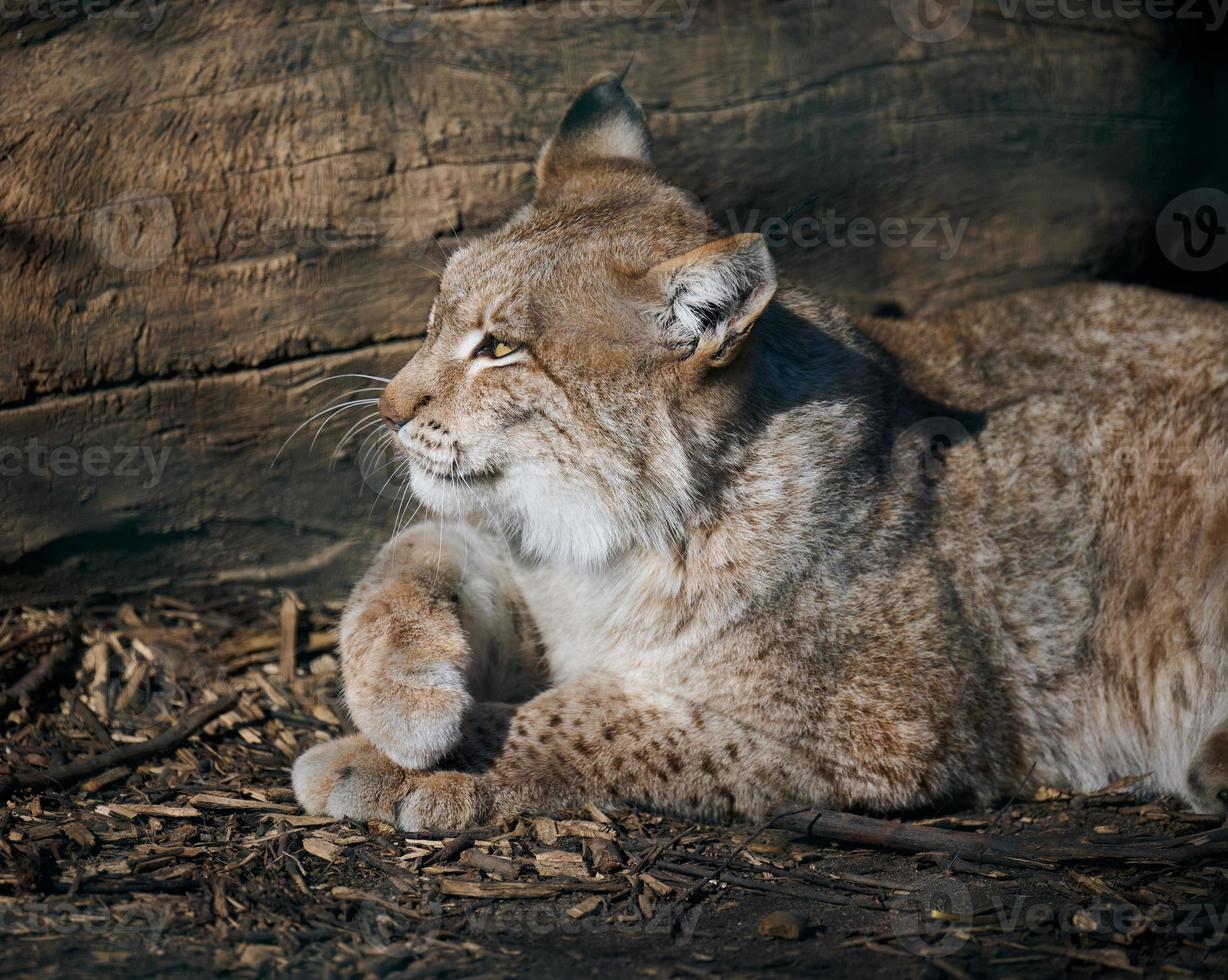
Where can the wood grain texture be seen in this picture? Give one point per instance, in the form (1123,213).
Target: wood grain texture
(288,181)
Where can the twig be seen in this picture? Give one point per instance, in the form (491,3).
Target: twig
(451,850)
(695,890)
(787,889)
(124,755)
(997,817)
(850,828)
(23,691)
(9,647)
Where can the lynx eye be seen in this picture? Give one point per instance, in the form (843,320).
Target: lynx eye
(496,348)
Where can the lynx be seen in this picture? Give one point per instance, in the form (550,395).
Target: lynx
(706,545)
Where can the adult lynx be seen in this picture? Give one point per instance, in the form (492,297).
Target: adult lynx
(677,559)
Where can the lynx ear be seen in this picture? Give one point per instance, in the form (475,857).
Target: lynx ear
(711,296)
(604,122)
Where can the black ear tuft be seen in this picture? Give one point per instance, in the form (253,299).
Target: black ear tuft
(604,100)
(603,122)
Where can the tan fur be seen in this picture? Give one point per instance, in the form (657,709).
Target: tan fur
(676,561)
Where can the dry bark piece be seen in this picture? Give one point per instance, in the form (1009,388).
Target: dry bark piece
(134,810)
(523,889)
(290,607)
(604,855)
(553,863)
(585,906)
(582,828)
(326,850)
(491,864)
(208,801)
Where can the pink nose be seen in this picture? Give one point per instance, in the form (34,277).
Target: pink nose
(388,415)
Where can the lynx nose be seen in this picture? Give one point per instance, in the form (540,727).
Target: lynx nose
(387,414)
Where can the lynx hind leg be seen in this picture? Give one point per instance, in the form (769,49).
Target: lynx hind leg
(1207,777)
(419,630)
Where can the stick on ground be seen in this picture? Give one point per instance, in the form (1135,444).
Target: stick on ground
(124,755)
(47,667)
(851,828)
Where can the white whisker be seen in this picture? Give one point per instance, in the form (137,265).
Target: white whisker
(338,411)
(357,426)
(338,377)
(325,411)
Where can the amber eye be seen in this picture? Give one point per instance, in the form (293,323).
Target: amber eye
(496,348)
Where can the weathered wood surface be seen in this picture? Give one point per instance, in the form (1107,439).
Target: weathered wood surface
(298,178)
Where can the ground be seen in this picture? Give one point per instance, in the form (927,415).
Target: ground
(196,859)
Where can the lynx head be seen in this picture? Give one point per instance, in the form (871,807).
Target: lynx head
(581,363)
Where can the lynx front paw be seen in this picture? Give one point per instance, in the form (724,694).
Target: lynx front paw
(1208,773)
(415,726)
(403,657)
(440,801)
(349,777)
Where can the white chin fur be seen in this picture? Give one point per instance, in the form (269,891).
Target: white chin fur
(442,496)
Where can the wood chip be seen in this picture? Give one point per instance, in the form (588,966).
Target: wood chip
(585,906)
(499,867)
(95,783)
(302,820)
(131,811)
(207,801)
(79,833)
(597,814)
(582,828)
(782,925)
(325,850)
(288,639)
(556,863)
(464,888)
(604,855)
(545,830)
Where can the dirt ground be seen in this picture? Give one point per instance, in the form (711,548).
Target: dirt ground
(195,860)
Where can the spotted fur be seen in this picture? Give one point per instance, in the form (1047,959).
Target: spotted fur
(681,555)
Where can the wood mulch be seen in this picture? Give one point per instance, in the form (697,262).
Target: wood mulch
(147,826)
